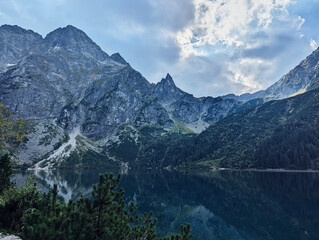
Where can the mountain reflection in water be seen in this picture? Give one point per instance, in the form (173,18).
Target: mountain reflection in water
(218,204)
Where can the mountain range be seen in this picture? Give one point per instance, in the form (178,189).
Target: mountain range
(87,108)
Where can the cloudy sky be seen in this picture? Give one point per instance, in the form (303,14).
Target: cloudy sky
(210,47)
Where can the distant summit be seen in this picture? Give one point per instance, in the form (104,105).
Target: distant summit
(245,97)
(75,40)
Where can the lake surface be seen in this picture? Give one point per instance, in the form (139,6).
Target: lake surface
(218,204)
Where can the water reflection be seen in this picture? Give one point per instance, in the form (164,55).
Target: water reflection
(218,205)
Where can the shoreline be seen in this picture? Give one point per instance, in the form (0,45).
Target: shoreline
(274,170)
(269,170)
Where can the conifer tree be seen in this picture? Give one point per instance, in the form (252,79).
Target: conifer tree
(5,172)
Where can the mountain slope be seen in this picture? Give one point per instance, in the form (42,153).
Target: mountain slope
(67,78)
(53,74)
(277,134)
(298,80)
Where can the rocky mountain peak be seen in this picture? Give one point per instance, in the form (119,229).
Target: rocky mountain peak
(74,40)
(168,80)
(60,35)
(118,58)
(167,91)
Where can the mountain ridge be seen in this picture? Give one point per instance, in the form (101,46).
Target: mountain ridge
(78,99)
(68,78)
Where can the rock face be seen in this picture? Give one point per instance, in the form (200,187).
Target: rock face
(118,98)
(302,78)
(16,43)
(66,84)
(196,113)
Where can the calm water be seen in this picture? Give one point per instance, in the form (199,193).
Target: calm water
(218,205)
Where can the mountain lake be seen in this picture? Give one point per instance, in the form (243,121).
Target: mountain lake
(222,204)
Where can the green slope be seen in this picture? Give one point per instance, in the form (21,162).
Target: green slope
(277,134)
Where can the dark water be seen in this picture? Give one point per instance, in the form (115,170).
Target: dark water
(218,205)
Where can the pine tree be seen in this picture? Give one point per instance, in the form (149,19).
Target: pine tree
(105,216)
(5,172)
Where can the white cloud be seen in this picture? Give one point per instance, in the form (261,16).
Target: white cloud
(229,22)
(313,44)
(251,33)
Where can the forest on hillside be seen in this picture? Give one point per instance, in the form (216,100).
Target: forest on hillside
(276,134)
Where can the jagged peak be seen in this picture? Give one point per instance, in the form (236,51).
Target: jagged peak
(167,90)
(169,77)
(168,80)
(118,58)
